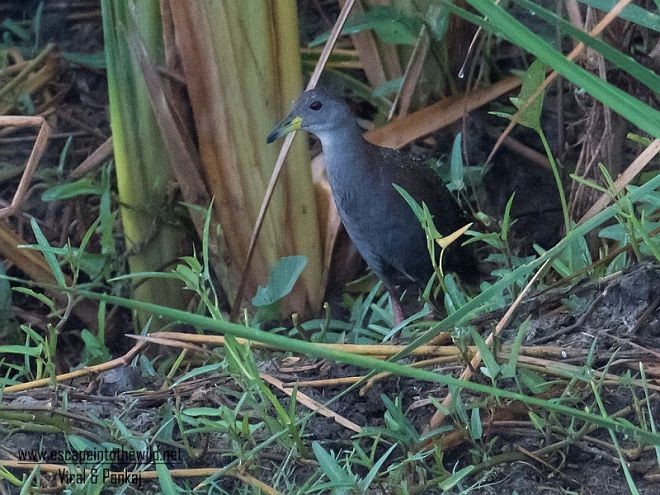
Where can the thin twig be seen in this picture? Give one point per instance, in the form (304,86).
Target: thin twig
(115,363)
(624,179)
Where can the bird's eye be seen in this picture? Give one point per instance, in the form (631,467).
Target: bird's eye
(316,105)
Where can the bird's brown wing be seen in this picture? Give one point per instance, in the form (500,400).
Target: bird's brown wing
(406,243)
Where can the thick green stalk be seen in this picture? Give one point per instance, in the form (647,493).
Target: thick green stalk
(242,68)
(141,163)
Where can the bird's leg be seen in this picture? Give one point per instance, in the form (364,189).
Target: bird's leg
(397,309)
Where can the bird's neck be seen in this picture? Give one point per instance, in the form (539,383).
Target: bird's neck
(344,153)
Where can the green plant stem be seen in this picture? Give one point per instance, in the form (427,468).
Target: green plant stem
(617,447)
(312,349)
(639,226)
(560,185)
(629,225)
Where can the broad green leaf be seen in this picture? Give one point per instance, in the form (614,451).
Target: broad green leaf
(456,165)
(476,428)
(281,280)
(531,80)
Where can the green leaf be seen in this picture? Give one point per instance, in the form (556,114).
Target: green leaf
(486,355)
(456,478)
(330,467)
(209,368)
(456,171)
(90,263)
(281,280)
(106,217)
(5,295)
(531,80)
(537,421)
(94,60)
(476,428)
(391,25)
(202,411)
(509,369)
(373,472)
(16,29)
(44,247)
(421,212)
(82,444)
(136,443)
(437,20)
(165,479)
(95,351)
(533,381)
(506,218)
(458,405)
(387,88)
(21,350)
(42,298)
(81,187)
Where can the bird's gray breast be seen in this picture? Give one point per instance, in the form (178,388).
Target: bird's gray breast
(381,225)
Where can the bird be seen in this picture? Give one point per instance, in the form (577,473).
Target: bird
(382,226)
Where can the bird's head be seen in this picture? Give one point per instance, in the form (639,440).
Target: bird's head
(317,111)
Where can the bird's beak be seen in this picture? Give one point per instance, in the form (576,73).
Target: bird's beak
(288,124)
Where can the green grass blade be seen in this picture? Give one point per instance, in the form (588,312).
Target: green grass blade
(643,74)
(632,13)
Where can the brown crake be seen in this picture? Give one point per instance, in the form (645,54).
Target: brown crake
(383,228)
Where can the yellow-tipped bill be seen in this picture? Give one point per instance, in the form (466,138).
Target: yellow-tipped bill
(288,124)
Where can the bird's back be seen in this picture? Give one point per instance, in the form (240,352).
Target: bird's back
(386,230)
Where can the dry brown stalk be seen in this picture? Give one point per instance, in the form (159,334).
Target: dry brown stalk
(94,160)
(310,403)
(637,165)
(403,131)
(365,350)
(279,164)
(33,160)
(88,370)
